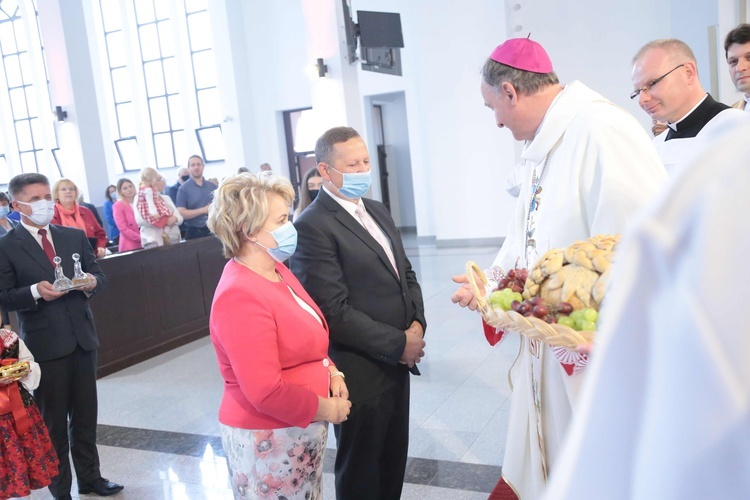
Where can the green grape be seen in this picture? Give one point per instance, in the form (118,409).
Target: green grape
(588,326)
(517,296)
(590,315)
(496,299)
(567,321)
(577,314)
(507,301)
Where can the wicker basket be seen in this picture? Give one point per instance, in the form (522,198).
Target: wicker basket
(553,334)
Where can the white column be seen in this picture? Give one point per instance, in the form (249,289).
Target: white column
(72,86)
(235,77)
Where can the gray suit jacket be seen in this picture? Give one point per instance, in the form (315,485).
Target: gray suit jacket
(52,329)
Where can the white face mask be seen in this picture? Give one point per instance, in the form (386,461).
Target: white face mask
(42,211)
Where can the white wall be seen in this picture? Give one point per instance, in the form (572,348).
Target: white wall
(458,159)
(594,41)
(276,78)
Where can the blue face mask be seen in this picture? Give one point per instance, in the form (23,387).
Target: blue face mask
(355,184)
(4,211)
(286,242)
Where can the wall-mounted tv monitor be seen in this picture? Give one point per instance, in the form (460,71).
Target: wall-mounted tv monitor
(380,29)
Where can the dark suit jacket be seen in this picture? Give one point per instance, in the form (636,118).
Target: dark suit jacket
(173,191)
(52,329)
(367,306)
(94,211)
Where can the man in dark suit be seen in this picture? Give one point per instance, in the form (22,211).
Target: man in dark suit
(351,260)
(58,328)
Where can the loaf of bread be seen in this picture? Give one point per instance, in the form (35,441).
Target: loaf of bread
(578,274)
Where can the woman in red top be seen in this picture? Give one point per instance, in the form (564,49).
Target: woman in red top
(68,213)
(271,342)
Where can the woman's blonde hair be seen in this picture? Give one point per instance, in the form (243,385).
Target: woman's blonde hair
(149,175)
(240,207)
(56,187)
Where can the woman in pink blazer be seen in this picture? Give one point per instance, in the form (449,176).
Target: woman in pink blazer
(130,234)
(271,342)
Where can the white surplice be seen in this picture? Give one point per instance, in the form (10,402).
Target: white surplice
(665,409)
(677,153)
(602,168)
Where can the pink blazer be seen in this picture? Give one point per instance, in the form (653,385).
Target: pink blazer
(130,234)
(272,354)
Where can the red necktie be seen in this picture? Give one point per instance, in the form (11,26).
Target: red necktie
(47,246)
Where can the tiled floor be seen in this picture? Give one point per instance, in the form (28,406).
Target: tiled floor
(159,433)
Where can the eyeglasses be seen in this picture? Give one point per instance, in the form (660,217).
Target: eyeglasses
(66,188)
(650,84)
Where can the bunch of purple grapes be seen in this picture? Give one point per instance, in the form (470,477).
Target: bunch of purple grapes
(515,280)
(537,307)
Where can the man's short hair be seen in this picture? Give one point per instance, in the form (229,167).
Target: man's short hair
(739,35)
(677,50)
(19,182)
(525,82)
(326,142)
(196,156)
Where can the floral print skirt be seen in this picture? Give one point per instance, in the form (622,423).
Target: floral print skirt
(282,463)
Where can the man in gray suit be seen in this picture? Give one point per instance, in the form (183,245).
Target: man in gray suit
(58,328)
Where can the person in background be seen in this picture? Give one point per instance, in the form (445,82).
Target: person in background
(69,213)
(27,458)
(6,224)
(109,201)
(658,127)
(58,327)
(265,167)
(14,215)
(155,214)
(352,261)
(182,176)
(92,208)
(194,198)
(124,215)
(308,190)
(667,87)
(243,170)
(737,51)
(271,342)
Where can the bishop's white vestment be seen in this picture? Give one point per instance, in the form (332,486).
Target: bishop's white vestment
(601,168)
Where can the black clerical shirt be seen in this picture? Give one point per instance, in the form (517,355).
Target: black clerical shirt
(692,124)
